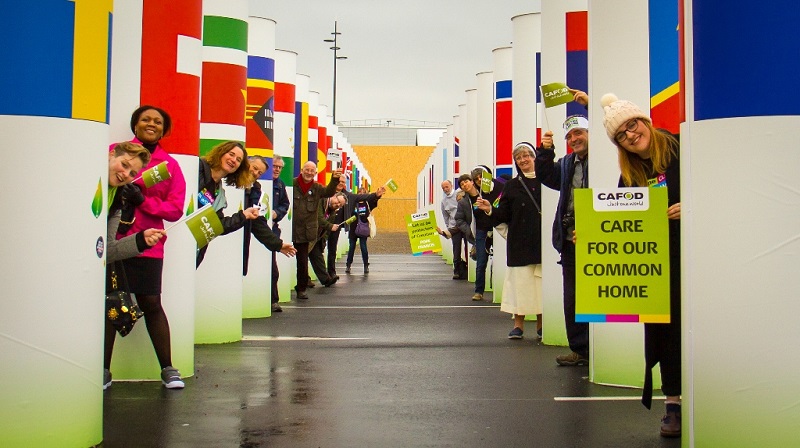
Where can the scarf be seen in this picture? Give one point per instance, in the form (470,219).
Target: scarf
(304,186)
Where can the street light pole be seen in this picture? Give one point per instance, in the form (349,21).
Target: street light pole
(336,57)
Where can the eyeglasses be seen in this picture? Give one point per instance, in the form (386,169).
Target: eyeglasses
(629,127)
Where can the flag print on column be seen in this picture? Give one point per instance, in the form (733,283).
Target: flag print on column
(260,111)
(72,80)
(224,81)
(664,61)
(577,57)
(171,67)
(503,112)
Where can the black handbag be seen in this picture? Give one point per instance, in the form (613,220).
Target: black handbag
(121,309)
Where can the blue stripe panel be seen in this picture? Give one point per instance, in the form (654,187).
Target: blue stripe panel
(455,150)
(502,90)
(444,166)
(36,78)
(499,171)
(663,45)
(298,128)
(745,74)
(260,68)
(590,318)
(577,78)
(538,77)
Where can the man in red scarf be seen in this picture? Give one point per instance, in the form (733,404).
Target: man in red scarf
(305,227)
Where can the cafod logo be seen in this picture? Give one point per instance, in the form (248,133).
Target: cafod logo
(622,199)
(557,92)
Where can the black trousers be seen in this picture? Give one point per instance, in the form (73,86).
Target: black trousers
(577,333)
(333,243)
(317,259)
(302,266)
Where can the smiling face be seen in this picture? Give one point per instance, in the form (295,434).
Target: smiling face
(122,169)
(447,187)
(277,167)
(337,202)
(257,167)
(578,141)
(342,185)
(230,161)
(309,171)
(524,160)
(634,136)
(149,127)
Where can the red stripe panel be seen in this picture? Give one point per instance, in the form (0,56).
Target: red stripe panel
(222,100)
(284,97)
(161,85)
(503,133)
(313,122)
(666,115)
(577,30)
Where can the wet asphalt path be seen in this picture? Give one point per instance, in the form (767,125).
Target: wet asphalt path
(400,357)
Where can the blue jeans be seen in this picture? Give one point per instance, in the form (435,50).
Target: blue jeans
(577,332)
(482,261)
(351,251)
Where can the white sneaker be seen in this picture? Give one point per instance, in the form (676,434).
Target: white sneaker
(171,378)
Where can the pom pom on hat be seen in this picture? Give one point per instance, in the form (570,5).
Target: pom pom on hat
(616,112)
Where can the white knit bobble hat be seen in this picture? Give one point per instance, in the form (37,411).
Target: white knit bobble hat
(616,112)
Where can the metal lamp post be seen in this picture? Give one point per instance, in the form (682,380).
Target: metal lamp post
(336,57)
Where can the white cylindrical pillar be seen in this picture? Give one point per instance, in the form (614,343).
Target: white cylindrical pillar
(218,316)
(259,125)
(739,241)
(285,78)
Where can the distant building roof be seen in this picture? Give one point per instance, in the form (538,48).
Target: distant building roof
(378,132)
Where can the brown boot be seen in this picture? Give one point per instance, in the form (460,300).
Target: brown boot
(671,422)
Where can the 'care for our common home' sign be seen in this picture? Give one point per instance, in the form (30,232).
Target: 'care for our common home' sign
(622,255)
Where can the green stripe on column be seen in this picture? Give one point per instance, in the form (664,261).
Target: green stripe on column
(224,32)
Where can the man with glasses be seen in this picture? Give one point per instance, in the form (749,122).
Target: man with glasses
(280,207)
(569,173)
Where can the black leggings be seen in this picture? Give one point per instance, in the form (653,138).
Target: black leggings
(157,327)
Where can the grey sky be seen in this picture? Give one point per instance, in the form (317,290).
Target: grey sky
(406,59)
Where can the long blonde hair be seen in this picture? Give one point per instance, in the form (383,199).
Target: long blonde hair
(662,150)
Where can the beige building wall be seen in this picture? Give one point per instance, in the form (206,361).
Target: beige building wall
(403,164)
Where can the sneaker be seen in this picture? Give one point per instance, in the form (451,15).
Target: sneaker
(302,295)
(539,333)
(572,359)
(366,269)
(311,284)
(477,296)
(276,308)
(106,379)
(516,333)
(171,378)
(671,422)
(347,269)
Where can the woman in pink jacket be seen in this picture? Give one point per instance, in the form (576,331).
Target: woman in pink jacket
(162,202)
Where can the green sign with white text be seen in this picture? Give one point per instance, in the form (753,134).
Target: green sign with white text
(422,233)
(622,255)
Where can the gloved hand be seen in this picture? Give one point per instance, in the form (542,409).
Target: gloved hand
(132,195)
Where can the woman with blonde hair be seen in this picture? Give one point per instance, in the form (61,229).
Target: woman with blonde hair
(227,160)
(650,157)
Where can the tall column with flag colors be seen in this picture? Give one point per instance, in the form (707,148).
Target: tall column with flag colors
(162,67)
(502,59)
(285,78)
(301,154)
(563,45)
(744,237)
(259,137)
(55,85)
(218,316)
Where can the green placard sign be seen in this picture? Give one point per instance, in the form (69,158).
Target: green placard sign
(556,93)
(156,174)
(622,255)
(204,225)
(422,233)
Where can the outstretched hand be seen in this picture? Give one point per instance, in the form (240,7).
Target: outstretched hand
(288,250)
